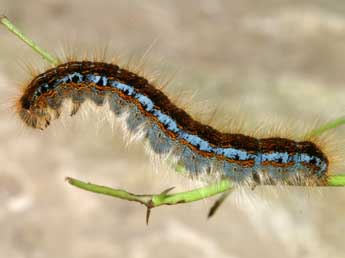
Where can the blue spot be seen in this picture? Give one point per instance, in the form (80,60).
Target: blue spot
(145,101)
(38,91)
(105,80)
(113,83)
(310,159)
(93,78)
(276,157)
(75,77)
(128,90)
(234,153)
(196,141)
(45,87)
(166,120)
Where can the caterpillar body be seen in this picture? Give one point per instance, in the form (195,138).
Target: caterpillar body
(169,129)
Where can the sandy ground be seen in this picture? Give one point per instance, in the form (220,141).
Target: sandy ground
(281,59)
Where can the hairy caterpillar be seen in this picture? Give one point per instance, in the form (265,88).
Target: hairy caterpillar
(169,129)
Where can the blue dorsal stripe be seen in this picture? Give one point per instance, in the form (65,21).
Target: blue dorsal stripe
(145,101)
(93,78)
(283,157)
(171,125)
(166,120)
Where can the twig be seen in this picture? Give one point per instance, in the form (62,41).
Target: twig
(327,126)
(336,180)
(12,28)
(155,200)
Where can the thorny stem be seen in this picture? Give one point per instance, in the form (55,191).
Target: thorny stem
(156,200)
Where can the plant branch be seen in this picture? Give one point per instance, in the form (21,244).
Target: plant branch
(326,127)
(155,200)
(12,28)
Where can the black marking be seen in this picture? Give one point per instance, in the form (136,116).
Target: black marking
(100,82)
(76,79)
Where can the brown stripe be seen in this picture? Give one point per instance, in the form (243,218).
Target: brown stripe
(184,120)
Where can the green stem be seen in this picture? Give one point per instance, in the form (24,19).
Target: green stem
(328,126)
(336,180)
(12,28)
(155,200)
(170,199)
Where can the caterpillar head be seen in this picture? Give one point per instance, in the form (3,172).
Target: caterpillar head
(38,106)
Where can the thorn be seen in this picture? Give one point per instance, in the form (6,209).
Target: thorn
(167,191)
(150,205)
(148,213)
(213,209)
(217,204)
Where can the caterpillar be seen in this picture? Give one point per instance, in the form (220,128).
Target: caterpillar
(170,130)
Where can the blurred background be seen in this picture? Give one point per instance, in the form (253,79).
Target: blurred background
(265,58)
